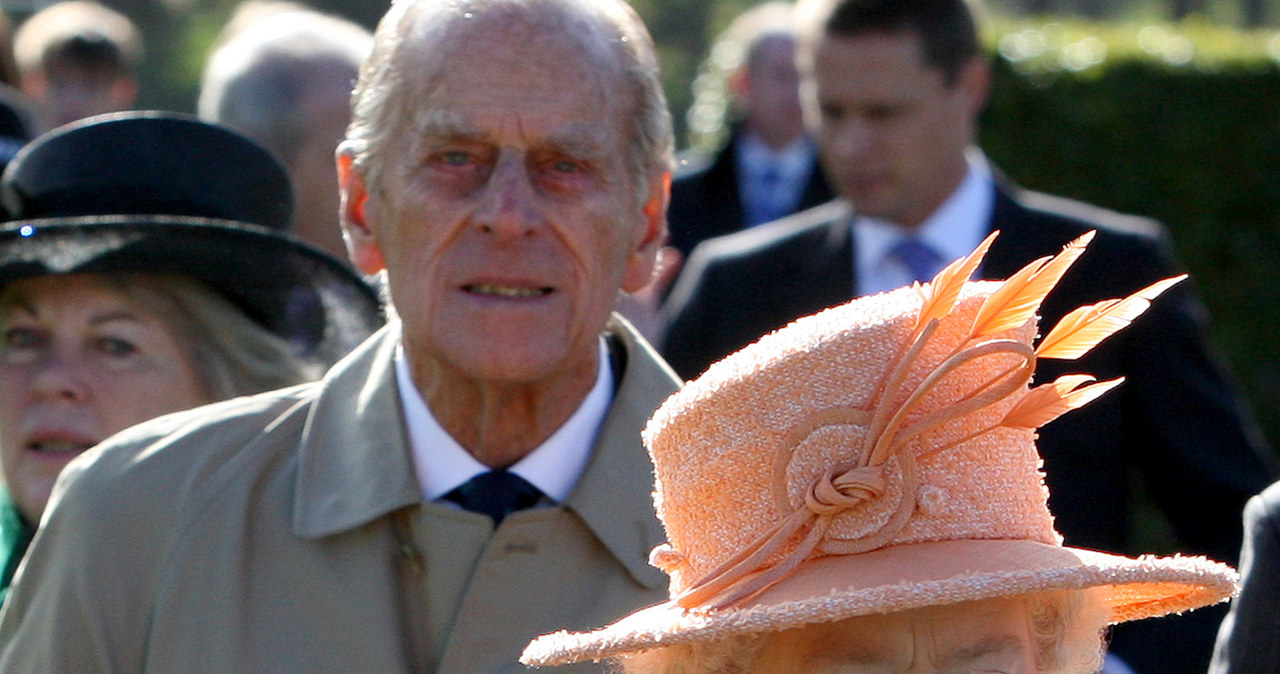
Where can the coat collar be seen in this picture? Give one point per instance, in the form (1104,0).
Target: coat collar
(354,464)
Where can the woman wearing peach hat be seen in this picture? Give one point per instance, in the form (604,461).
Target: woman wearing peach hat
(860,492)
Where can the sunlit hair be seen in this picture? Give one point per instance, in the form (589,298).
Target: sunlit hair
(232,354)
(739,47)
(380,105)
(78,33)
(1067,627)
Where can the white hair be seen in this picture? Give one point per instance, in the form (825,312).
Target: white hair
(377,110)
(262,76)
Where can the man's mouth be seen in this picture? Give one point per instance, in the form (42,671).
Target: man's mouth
(58,447)
(515,292)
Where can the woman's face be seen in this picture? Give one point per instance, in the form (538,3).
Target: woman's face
(79,360)
(992,636)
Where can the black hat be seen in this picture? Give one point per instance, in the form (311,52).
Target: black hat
(166,193)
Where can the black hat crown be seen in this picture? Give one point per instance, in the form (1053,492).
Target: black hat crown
(148,163)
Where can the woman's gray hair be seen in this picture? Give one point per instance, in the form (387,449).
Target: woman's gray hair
(380,104)
(231,354)
(1066,627)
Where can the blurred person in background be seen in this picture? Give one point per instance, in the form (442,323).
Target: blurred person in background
(768,166)
(284,78)
(1249,637)
(77,59)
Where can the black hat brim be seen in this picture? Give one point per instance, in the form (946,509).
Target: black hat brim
(291,288)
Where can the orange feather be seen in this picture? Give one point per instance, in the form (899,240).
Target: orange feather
(1087,326)
(1047,402)
(1019,298)
(941,293)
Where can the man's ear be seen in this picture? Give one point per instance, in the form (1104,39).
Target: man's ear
(974,79)
(651,235)
(362,245)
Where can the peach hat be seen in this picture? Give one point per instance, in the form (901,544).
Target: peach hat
(876,457)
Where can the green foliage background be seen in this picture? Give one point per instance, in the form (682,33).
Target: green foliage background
(1181,124)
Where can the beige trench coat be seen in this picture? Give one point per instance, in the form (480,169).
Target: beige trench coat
(201,542)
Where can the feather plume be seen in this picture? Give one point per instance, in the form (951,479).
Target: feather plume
(1047,402)
(941,293)
(1019,298)
(1087,326)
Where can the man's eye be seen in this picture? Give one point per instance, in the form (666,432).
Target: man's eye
(566,166)
(20,338)
(455,158)
(113,346)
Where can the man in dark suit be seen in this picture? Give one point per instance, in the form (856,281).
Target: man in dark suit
(1249,640)
(894,91)
(769,166)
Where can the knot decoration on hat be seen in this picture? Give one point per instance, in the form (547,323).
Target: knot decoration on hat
(880,456)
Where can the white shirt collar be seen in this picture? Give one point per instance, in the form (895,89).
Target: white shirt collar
(553,467)
(790,161)
(953,230)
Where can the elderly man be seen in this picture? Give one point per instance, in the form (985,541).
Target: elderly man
(506,169)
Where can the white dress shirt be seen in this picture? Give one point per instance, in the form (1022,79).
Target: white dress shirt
(553,467)
(953,231)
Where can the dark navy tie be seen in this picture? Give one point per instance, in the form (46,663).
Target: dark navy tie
(921,260)
(496,493)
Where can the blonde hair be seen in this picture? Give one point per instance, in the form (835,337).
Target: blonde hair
(232,354)
(1066,626)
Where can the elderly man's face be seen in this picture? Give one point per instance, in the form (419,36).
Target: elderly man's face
(506,214)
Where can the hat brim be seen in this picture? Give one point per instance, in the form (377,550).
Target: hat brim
(907,577)
(291,288)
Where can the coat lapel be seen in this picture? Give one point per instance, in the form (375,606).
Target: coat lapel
(354,464)
(616,506)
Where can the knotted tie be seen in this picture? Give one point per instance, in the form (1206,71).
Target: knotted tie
(920,259)
(496,493)
(768,199)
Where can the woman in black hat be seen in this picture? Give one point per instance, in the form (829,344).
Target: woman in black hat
(146,268)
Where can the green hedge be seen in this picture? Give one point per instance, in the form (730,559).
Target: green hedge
(1178,123)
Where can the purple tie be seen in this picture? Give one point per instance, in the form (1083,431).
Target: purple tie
(921,260)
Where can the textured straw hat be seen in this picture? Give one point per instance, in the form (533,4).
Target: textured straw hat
(877,457)
(166,193)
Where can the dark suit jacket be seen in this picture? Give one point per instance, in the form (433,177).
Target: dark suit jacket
(1176,426)
(705,200)
(1249,640)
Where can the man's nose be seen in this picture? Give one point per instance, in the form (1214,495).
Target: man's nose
(850,138)
(508,206)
